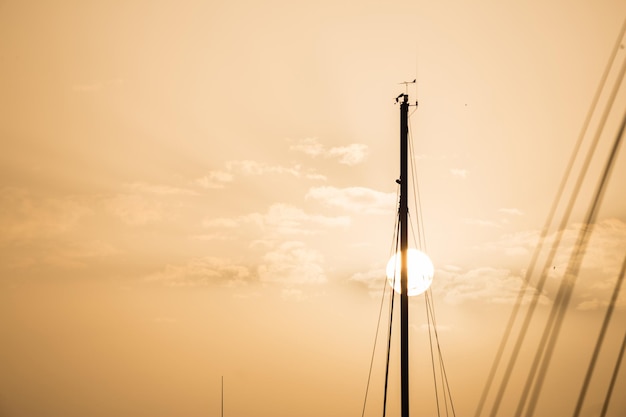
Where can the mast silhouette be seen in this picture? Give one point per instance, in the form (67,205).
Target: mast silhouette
(404,243)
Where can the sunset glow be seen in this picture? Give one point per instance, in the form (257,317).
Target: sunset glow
(420,271)
(199,189)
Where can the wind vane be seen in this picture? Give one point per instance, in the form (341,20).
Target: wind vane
(406,85)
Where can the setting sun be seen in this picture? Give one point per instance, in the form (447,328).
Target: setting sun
(420,272)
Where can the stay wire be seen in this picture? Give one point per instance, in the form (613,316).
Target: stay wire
(609,392)
(431,304)
(380,311)
(556,243)
(416,192)
(393,293)
(538,249)
(571,274)
(443,368)
(596,350)
(432,357)
(391,311)
(428,296)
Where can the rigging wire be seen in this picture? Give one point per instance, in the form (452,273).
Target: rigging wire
(393,293)
(421,233)
(609,391)
(431,303)
(567,285)
(420,242)
(538,248)
(432,358)
(382,300)
(557,241)
(596,350)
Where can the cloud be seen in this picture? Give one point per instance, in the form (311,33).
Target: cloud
(484,284)
(460,173)
(282,219)
(292,263)
(511,211)
(309,146)
(248,167)
(220,179)
(26,217)
(201,272)
(600,264)
(352,154)
(135,209)
(317,177)
(374,280)
(215,180)
(354,199)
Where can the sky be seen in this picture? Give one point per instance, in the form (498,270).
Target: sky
(194,190)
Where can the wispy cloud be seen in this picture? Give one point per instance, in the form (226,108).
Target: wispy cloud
(282,219)
(134,209)
(292,263)
(354,199)
(309,146)
(249,167)
(484,284)
(26,217)
(351,154)
(374,280)
(201,272)
(511,211)
(600,265)
(215,180)
(459,173)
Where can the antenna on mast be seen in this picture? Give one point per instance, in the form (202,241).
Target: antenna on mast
(406,86)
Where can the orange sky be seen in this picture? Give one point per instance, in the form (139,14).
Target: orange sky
(198,189)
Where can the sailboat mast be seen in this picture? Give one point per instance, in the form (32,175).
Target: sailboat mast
(404,243)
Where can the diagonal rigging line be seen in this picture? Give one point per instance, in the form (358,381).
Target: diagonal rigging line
(446,388)
(567,285)
(416,194)
(432,356)
(609,392)
(391,303)
(596,350)
(538,249)
(391,249)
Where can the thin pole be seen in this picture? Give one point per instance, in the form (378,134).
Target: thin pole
(404,243)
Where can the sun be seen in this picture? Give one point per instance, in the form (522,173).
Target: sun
(420,271)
